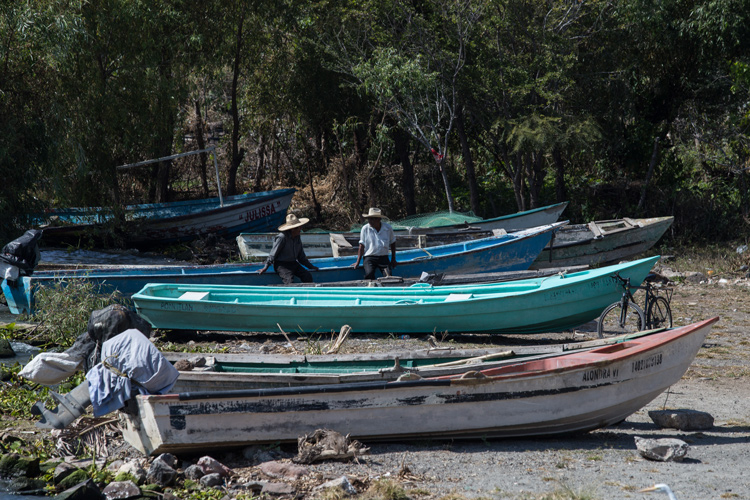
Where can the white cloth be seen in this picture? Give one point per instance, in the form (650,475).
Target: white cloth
(132,354)
(50,368)
(377,242)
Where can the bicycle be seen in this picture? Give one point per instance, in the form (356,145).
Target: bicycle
(626,316)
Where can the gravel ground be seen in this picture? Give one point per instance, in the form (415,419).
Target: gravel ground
(602,464)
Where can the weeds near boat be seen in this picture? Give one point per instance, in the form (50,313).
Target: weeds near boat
(17,394)
(63,310)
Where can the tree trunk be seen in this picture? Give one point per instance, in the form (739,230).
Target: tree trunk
(471,176)
(260,166)
(401,144)
(535,175)
(560,190)
(651,166)
(201,145)
(515,166)
(237,152)
(446,183)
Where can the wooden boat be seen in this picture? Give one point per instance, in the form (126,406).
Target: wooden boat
(222,372)
(335,244)
(513,251)
(317,245)
(164,223)
(575,392)
(525,306)
(512,222)
(602,242)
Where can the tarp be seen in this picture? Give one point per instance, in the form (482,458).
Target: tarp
(23,252)
(129,362)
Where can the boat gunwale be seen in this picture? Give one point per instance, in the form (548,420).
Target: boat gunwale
(631,349)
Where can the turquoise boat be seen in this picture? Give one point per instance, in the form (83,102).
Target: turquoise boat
(537,305)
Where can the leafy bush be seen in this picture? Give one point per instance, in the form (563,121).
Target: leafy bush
(63,310)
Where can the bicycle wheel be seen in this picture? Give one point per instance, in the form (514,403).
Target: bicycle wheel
(659,313)
(611,322)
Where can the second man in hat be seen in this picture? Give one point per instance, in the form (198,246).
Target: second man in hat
(375,239)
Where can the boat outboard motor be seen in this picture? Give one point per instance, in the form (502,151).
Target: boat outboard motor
(20,256)
(70,406)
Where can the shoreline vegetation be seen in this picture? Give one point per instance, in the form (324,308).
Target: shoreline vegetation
(708,282)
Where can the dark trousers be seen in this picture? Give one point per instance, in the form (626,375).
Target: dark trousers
(373,262)
(288,270)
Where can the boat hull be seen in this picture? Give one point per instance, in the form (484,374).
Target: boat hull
(552,303)
(602,242)
(512,222)
(165,223)
(571,393)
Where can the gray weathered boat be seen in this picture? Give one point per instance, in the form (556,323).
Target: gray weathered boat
(574,392)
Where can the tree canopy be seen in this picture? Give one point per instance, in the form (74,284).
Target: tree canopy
(624,108)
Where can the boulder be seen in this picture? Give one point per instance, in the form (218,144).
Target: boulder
(281,469)
(6,351)
(14,465)
(121,490)
(161,473)
(662,450)
(87,490)
(684,420)
(212,466)
(211,480)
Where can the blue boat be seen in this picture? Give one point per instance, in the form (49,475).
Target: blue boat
(164,223)
(510,252)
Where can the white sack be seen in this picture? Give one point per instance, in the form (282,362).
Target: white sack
(50,368)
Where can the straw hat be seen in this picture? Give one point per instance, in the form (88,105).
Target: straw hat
(292,221)
(374,212)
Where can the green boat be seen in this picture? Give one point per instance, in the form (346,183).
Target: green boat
(537,305)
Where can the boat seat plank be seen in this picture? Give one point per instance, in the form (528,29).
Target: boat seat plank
(194,295)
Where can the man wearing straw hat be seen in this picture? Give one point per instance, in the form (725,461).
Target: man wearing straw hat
(287,256)
(375,239)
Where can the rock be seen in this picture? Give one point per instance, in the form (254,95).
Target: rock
(161,473)
(211,480)
(325,444)
(86,490)
(211,465)
(134,470)
(78,476)
(280,469)
(662,450)
(183,365)
(254,487)
(14,465)
(121,490)
(194,472)
(168,459)
(341,483)
(26,485)
(684,420)
(62,471)
(6,351)
(197,361)
(277,489)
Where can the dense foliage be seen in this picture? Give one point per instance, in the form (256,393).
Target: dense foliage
(625,108)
